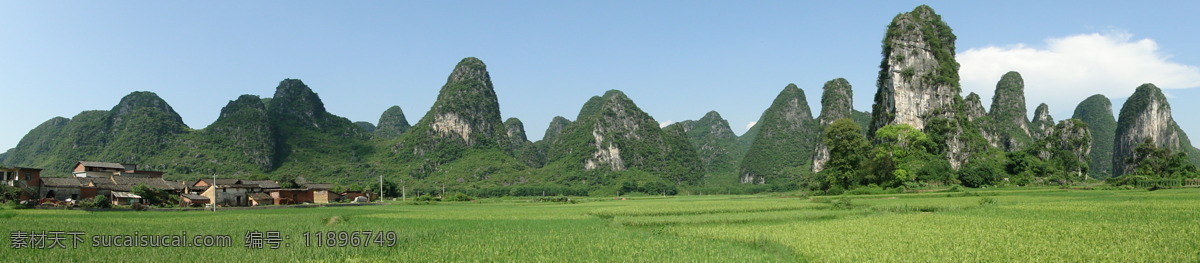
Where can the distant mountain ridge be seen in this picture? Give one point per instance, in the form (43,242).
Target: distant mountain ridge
(612,146)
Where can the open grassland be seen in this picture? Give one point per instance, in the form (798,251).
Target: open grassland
(983,226)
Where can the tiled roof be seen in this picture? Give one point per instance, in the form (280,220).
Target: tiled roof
(125,195)
(102,165)
(61,182)
(157,183)
(318,186)
(222,181)
(195,197)
(265,184)
(260,196)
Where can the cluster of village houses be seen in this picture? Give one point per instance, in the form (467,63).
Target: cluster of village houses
(116,181)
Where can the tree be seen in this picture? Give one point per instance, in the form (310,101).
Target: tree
(9,192)
(1152,161)
(847,151)
(149,194)
(900,154)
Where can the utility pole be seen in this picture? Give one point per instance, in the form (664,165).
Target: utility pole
(403,191)
(214,189)
(380,189)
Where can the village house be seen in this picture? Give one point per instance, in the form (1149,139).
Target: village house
(192,200)
(306,193)
(103,169)
(117,182)
(28,179)
(112,180)
(227,191)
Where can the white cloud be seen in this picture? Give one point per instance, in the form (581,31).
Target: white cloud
(1069,69)
(750,125)
(665,123)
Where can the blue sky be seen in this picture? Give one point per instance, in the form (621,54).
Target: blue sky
(676,59)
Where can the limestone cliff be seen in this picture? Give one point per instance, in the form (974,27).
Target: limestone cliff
(613,134)
(918,77)
(465,115)
(974,107)
(1007,126)
(836,102)
(715,142)
(918,83)
(1145,115)
(1042,124)
(515,129)
(1073,141)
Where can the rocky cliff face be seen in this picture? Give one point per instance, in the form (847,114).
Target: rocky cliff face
(1097,112)
(555,128)
(836,103)
(1008,126)
(1071,138)
(918,77)
(618,136)
(465,115)
(1145,115)
(1042,124)
(515,129)
(467,108)
(918,83)
(714,141)
(392,123)
(1008,102)
(786,138)
(973,107)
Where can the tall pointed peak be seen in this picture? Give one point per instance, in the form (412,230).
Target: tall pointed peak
(612,93)
(1042,113)
(555,128)
(515,130)
(392,123)
(837,100)
(1146,115)
(467,108)
(712,115)
(1097,112)
(973,106)
(1008,102)
(918,77)
(793,100)
(143,99)
(590,107)
(243,102)
(296,102)
(470,68)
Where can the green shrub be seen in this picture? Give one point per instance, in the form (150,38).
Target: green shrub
(426,198)
(99,201)
(460,197)
(556,199)
(986,201)
(842,204)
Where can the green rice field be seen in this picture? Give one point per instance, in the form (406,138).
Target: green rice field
(1040,225)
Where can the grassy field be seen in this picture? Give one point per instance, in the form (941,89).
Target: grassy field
(1047,225)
